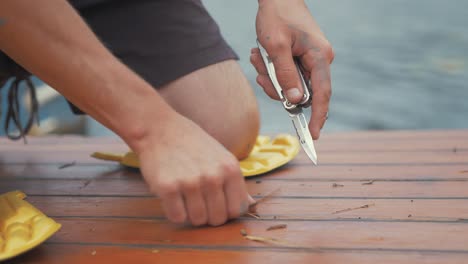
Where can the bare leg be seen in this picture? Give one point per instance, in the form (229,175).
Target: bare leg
(220,100)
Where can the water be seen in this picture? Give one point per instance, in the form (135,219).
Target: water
(399,64)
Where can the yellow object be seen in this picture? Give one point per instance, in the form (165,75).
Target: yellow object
(22,226)
(265,156)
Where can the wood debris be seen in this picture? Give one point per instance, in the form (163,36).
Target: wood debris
(336,185)
(254,215)
(243,232)
(355,208)
(268,240)
(264,198)
(66,165)
(155,251)
(368,183)
(86,183)
(93,253)
(276,227)
(463,171)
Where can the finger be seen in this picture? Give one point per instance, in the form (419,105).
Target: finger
(215,201)
(265,82)
(257,62)
(263,79)
(195,206)
(173,206)
(321,88)
(286,71)
(237,198)
(251,200)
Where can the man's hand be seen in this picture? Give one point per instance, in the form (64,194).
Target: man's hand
(287,29)
(197,179)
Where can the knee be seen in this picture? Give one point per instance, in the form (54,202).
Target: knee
(247,131)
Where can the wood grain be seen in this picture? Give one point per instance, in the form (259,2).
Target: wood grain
(427,210)
(301,189)
(413,209)
(77,253)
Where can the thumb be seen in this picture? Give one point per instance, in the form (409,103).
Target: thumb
(287,74)
(251,200)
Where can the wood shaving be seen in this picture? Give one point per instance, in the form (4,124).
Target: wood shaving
(155,251)
(368,183)
(264,198)
(93,253)
(463,171)
(66,165)
(243,232)
(336,185)
(254,215)
(276,227)
(268,240)
(355,208)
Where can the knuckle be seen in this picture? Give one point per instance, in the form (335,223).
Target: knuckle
(234,212)
(279,44)
(177,217)
(213,181)
(170,188)
(230,169)
(218,221)
(326,52)
(191,184)
(253,60)
(198,218)
(326,95)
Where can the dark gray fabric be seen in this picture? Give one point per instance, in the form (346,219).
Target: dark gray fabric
(161,40)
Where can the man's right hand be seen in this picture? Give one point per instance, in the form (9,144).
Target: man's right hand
(197,179)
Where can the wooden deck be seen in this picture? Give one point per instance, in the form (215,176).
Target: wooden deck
(376,197)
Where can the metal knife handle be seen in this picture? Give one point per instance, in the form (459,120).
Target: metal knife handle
(305,102)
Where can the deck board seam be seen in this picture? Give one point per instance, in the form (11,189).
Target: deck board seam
(356,219)
(263,248)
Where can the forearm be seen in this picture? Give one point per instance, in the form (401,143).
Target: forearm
(53,42)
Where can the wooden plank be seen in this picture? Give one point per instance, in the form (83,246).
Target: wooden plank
(288,172)
(345,158)
(75,171)
(359,173)
(111,187)
(308,235)
(74,253)
(276,208)
(409,135)
(325,159)
(322,145)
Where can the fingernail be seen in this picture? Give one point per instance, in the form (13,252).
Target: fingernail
(293,95)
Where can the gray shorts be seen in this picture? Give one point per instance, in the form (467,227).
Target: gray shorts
(161,40)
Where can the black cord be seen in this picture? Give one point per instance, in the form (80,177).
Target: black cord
(14,109)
